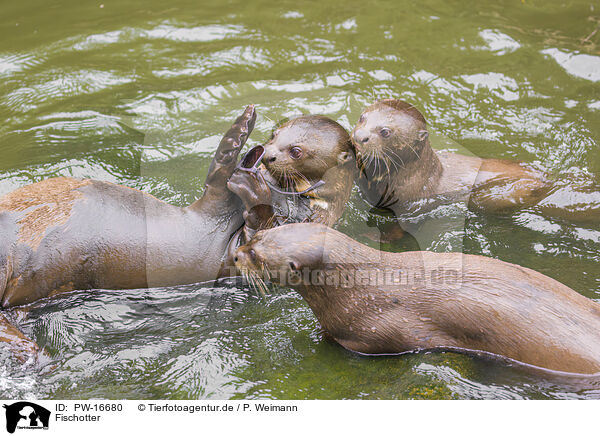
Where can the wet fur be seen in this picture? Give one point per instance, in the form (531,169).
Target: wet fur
(67,234)
(475,303)
(410,170)
(329,157)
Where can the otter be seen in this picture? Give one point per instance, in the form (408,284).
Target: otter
(376,302)
(67,234)
(309,157)
(400,169)
(309,149)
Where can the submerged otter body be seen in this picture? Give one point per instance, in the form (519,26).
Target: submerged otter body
(399,169)
(67,234)
(377,302)
(81,234)
(64,234)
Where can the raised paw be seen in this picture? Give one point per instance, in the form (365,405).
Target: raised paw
(236,137)
(229,148)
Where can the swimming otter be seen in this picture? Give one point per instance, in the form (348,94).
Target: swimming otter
(377,302)
(67,234)
(399,169)
(310,155)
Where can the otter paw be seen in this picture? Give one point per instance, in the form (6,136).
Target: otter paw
(236,137)
(250,187)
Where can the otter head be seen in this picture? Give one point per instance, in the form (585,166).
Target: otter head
(306,148)
(390,130)
(292,255)
(286,249)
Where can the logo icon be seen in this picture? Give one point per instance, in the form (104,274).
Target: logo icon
(26,415)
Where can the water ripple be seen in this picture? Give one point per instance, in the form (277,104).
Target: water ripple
(143,101)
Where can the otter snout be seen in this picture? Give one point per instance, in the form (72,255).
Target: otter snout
(275,159)
(239,258)
(244,257)
(269,158)
(273,153)
(361,136)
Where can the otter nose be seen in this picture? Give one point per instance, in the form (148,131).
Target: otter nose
(238,256)
(361,137)
(269,156)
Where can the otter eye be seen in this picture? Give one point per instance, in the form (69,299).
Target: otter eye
(385,132)
(362,118)
(296,152)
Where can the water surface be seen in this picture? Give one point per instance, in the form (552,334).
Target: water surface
(139,95)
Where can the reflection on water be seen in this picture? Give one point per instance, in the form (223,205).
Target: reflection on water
(141,97)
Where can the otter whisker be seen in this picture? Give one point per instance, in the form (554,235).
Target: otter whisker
(268,118)
(266,272)
(398,156)
(371,162)
(287,182)
(414,151)
(374,161)
(244,273)
(300,176)
(320,160)
(263,287)
(384,159)
(247,274)
(270,222)
(393,163)
(379,160)
(391,160)
(255,280)
(257,283)
(261,284)
(290,184)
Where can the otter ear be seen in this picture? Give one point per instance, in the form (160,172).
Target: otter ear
(294,266)
(422,135)
(344,157)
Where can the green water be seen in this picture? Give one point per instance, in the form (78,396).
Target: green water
(139,93)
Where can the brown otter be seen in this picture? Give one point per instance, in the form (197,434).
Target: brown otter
(399,168)
(310,155)
(377,302)
(67,234)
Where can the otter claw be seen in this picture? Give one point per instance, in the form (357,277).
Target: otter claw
(229,148)
(237,135)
